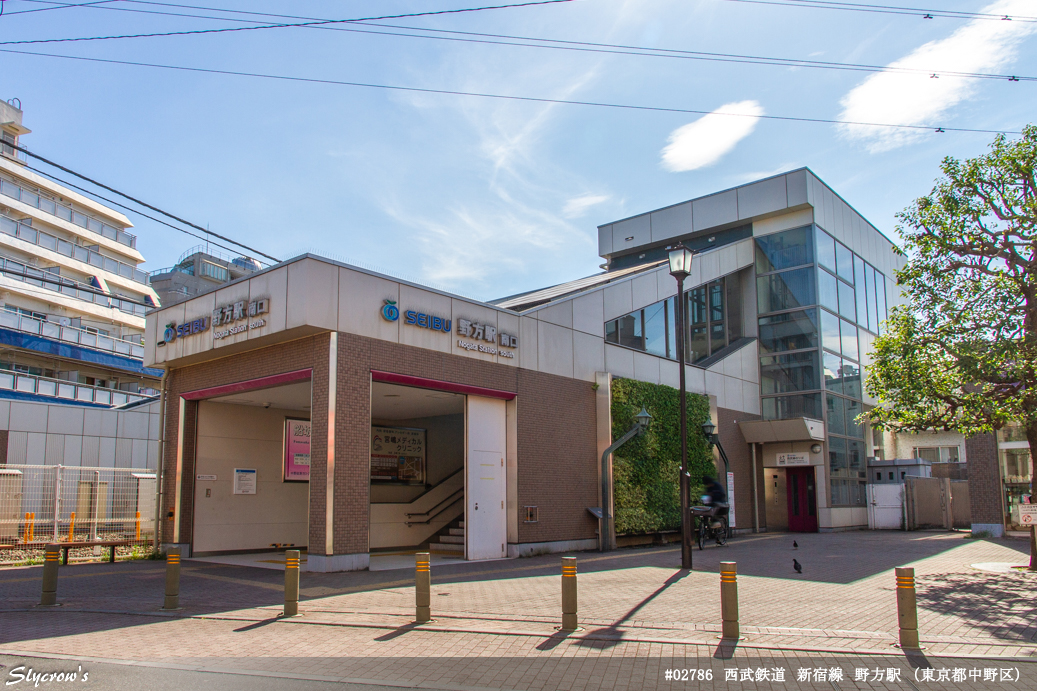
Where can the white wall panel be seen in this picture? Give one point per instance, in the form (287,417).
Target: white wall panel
(618,300)
(633,232)
(238,292)
(644,290)
(619,361)
(715,210)
(312,294)
(555,348)
(361,298)
(796,186)
(589,313)
(559,315)
(763,197)
(604,241)
(65,419)
(272,285)
(669,373)
(646,368)
(425,302)
(528,343)
(28,417)
(671,222)
(588,356)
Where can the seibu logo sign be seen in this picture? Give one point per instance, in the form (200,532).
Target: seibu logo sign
(227,315)
(474,331)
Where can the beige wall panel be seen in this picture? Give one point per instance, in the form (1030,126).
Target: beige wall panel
(762,197)
(528,343)
(477,314)
(508,323)
(604,241)
(669,373)
(619,362)
(796,187)
(312,294)
(273,285)
(695,379)
(64,419)
(588,355)
(671,222)
(198,308)
(666,285)
(776,224)
(644,290)
(618,300)
(174,350)
(559,315)
(632,232)
(715,210)
(427,302)
(646,368)
(555,349)
(589,313)
(228,296)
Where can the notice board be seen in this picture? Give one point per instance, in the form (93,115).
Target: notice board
(398,455)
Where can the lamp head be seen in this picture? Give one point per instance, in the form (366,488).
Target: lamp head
(643,418)
(680,260)
(708,428)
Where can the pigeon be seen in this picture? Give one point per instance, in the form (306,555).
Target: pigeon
(796,566)
(795,545)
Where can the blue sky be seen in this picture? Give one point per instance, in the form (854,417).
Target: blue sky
(489,197)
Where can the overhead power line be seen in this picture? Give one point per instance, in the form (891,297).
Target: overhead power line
(322,22)
(58,6)
(506,97)
(889,9)
(138,201)
(136,212)
(578,46)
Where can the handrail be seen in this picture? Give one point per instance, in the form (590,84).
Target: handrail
(449,501)
(428,488)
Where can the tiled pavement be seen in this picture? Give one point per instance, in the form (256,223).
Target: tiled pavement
(494,620)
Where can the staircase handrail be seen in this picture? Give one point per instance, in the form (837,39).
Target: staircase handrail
(449,501)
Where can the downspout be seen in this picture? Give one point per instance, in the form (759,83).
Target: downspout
(756,493)
(161,461)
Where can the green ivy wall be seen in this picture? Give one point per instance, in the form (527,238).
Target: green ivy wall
(645,470)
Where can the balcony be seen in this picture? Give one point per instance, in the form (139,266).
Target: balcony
(60,389)
(66,286)
(25,232)
(70,334)
(66,213)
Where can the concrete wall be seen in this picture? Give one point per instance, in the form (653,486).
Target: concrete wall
(986,496)
(55,434)
(237,436)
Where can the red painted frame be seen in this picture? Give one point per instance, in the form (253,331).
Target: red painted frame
(250,385)
(435,384)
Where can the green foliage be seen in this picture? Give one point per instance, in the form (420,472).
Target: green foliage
(646,469)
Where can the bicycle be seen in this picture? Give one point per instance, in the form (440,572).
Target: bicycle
(704,530)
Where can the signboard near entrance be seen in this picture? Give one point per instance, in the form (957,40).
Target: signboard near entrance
(296,450)
(1028,514)
(244,481)
(398,454)
(787,459)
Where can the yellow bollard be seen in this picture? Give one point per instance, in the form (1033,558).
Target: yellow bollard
(729,599)
(25,532)
(422,588)
(72,527)
(569,619)
(32,527)
(907,609)
(172,600)
(49,596)
(137,526)
(291,582)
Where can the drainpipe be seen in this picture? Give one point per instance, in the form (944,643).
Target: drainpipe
(756,495)
(161,459)
(605,529)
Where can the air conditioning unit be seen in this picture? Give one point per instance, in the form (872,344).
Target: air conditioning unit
(64,321)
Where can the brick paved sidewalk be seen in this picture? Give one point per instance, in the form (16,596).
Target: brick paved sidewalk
(640,613)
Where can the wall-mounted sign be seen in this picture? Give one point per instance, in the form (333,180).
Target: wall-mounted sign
(474,331)
(398,454)
(296,450)
(390,313)
(785,459)
(244,481)
(225,316)
(209,478)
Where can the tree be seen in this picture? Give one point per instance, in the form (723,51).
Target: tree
(962,355)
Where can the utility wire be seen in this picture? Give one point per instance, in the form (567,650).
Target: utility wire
(889,9)
(585,46)
(137,201)
(63,6)
(134,211)
(195,32)
(528,99)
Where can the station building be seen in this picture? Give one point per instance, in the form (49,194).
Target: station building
(321,405)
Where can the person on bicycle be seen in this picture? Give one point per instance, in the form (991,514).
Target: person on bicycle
(717,497)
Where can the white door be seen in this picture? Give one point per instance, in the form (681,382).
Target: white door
(886,507)
(486,525)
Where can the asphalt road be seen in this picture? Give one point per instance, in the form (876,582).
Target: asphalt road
(15,671)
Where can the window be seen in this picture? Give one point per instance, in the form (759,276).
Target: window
(830,331)
(786,290)
(789,373)
(847,303)
(717,331)
(655,328)
(784,250)
(825,250)
(937,454)
(214,271)
(786,407)
(844,262)
(862,291)
(849,341)
(789,331)
(698,345)
(828,290)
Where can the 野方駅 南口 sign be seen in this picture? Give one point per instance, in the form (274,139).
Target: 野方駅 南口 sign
(478,335)
(221,316)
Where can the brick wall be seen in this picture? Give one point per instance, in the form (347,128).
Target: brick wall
(556,432)
(986,497)
(739,454)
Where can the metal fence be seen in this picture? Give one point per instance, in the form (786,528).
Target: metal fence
(74,504)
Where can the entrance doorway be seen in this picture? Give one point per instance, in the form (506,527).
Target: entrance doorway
(801,487)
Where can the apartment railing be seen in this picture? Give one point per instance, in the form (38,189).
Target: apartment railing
(70,334)
(26,232)
(59,388)
(66,286)
(66,213)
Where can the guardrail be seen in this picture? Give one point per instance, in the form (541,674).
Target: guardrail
(23,231)
(70,334)
(61,389)
(66,286)
(15,191)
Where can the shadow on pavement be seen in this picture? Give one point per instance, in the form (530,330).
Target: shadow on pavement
(613,633)
(1003,605)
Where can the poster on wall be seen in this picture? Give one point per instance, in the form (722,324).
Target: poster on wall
(398,455)
(244,481)
(731,499)
(296,450)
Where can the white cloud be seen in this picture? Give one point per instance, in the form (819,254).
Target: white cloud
(705,141)
(913,99)
(577,206)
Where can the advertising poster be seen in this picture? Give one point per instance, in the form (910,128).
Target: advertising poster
(398,454)
(296,450)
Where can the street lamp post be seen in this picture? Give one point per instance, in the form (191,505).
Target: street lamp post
(680,268)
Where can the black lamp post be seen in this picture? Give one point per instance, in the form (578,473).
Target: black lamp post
(709,431)
(680,268)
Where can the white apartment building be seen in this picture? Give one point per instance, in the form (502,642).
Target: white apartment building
(72,298)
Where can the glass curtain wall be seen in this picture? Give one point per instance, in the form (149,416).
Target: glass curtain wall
(714,323)
(813,293)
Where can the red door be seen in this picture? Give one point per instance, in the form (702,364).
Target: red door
(802,498)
